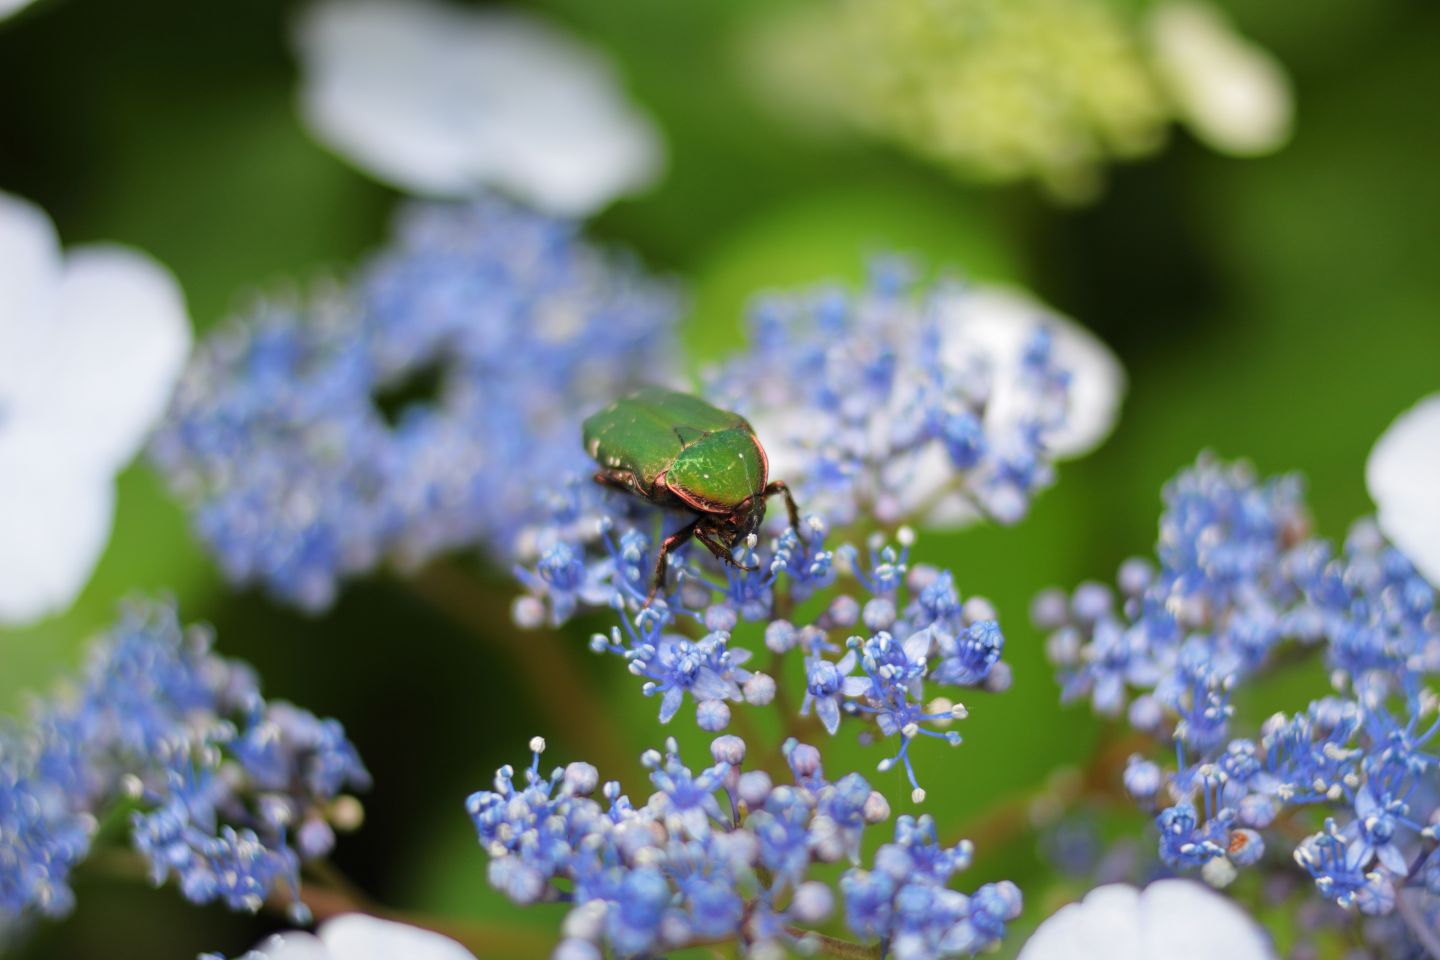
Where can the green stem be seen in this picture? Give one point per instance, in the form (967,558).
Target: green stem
(784,703)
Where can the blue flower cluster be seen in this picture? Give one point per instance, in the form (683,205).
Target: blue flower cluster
(896,403)
(724,854)
(410,412)
(226,792)
(889,647)
(1218,605)
(1241,586)
(876,408)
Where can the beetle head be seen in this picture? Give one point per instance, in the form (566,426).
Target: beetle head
(733,527)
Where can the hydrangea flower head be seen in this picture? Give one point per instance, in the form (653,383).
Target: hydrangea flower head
(904,402)
(989,89)
(1213,610)
(897,402)
(724,854)
(301,436)
(1043,90)
(1240,585)
(228,792)
(924,646)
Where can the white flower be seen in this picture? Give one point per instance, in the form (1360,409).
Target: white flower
(984,333)
(10,7)
(1403,476)
(90,345)
(1233,94)
(440,100)
(997,322)
(1168,920)
(355,936)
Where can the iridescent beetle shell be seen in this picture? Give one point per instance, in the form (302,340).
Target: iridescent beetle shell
(675,450)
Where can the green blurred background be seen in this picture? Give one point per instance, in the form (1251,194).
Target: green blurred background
(1282,309)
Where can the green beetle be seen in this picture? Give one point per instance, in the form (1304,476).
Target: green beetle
(677,451)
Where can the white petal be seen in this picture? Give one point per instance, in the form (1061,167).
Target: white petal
(440,99)
(290,946)
(1403,476)
(356,936)
(1235,95)
(113,351)
(1173,919)
(932,469)
(54,524)
(829,713)
(1185,920)
(8,7)
(1103,926)
(29,275)
(999,321)
(89,347)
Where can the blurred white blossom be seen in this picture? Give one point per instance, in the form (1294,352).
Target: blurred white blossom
(1170,919)
(91,343)
(11,7)
(1232,93)
(1006,90)
(439,100)
(1403,476)
(356,936)
(998,322)
(992,90)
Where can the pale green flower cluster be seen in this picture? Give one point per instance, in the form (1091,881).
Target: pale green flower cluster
(1008,90)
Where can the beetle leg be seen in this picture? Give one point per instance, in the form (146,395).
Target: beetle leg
(718,550)
(779,486)
(668,546)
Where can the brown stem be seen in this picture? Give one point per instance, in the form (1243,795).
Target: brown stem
(547,665)
(999,825)
(825,945)
(1004,822)
(835,947)
(334,895)
(329,901)
(481,939)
